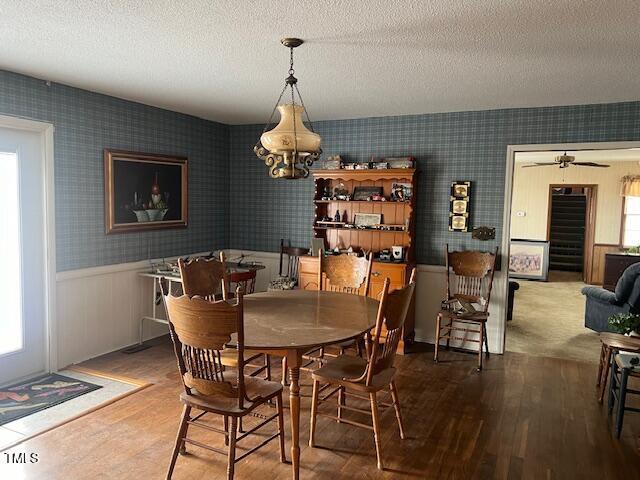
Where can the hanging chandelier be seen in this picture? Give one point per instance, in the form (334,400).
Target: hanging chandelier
(290,148)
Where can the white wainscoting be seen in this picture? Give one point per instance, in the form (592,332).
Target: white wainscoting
(99,309)
(431,289)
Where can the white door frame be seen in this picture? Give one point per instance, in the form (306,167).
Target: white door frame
(508,192)
(46,137)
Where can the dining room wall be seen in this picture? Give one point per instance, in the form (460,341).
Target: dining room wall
(85,123)
(447,147)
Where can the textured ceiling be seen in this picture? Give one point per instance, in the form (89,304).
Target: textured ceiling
(222,60)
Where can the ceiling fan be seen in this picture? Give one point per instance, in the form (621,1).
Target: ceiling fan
(564,160)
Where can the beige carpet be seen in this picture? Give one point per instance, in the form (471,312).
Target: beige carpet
(548,320)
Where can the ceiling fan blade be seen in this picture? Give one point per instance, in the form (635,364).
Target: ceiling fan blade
(590,164)
(540,164)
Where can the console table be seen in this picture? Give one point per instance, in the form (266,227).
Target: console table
(614,264)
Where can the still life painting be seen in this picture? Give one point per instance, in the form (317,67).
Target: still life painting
(144,191)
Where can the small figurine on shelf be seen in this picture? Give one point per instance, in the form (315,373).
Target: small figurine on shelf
(345,218)
(341,193)
(336,218)
(326,193)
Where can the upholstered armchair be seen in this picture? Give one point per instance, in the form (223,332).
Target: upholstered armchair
(601,303)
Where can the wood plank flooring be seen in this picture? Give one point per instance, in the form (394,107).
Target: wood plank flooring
(523,417)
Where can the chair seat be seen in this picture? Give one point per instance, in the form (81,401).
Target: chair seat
(229,356)
(477,317)
(255,387)
(345,366)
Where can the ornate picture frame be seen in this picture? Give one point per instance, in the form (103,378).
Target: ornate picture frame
(144,191)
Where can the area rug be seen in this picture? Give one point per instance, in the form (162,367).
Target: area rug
(548,320)
(25,398)
(112,388)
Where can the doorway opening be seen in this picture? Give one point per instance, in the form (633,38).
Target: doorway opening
(571,228)
(567,216)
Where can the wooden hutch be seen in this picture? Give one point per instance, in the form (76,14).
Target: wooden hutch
(399,215)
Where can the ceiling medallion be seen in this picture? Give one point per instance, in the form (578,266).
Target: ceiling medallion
(290,148)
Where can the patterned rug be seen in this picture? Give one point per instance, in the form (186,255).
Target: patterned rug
(24,398)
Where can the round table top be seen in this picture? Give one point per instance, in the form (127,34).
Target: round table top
(303,319)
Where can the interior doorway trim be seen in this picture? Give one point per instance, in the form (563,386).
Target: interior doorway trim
(46,136)
(508,194)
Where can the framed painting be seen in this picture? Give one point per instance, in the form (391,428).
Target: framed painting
(144,191)
(529,259)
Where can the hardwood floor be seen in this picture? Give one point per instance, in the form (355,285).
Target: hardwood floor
(523,417)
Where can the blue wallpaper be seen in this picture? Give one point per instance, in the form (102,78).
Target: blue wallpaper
(232,201)
(86,123)
(448,146)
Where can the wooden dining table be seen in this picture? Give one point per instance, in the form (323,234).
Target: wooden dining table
(291,322)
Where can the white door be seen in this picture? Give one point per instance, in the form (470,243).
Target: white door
(23,337)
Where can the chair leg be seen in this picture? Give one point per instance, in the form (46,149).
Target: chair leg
(396,407)
(376,427)
(341,401)
(486,340)
(240,429)
(600,366)
(283,458)
(438,321)
(226,429)
(182,431)
(480,348)
(622,396)
(607,365)
(267,364)
(613,386)
(284,371)
(314,412)
(231,460)
(450,333)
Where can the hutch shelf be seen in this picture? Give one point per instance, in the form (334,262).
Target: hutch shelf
(399,214)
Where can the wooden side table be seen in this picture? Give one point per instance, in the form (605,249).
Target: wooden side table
(612,342)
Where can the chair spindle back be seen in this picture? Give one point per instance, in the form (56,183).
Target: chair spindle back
(204,277)
(392,313)
(345,273)
(470,275)
(293,259)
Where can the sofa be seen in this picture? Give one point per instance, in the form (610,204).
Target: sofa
(601,303)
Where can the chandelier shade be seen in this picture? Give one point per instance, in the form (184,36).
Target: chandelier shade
(290,148)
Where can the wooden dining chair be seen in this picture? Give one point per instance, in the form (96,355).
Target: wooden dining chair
(208,278)
(245,279)
(200,329)
(345,273)
(365,379)
(469,279)
(289,266)
(341,274)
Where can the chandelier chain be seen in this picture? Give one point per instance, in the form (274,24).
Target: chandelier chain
(295,134)
(291,70)
(305,109)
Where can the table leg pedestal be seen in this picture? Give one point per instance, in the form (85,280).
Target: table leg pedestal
(294,360)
